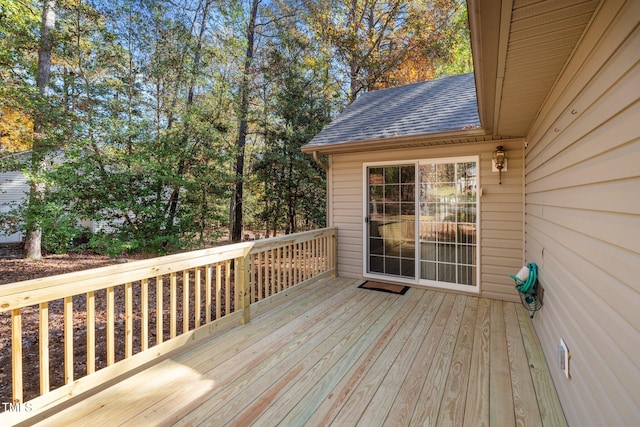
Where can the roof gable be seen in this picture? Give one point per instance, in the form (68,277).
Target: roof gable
(430,107)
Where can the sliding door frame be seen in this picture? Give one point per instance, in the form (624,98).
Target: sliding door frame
(416,280)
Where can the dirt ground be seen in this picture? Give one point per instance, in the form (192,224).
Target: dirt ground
(14,269)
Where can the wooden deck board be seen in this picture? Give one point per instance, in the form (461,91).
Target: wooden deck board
(409,392)
(363,406)
(501,411)
(259,351)
(333,354)
(477,405)
(548,403)
(524,396)
(355,355)
(384,399)
(426,412)
(338,335)
(451,411)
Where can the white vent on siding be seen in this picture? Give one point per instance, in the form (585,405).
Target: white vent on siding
(563,357)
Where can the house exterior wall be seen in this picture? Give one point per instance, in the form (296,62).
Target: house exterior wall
(582,221)
(13,189)
(501,209)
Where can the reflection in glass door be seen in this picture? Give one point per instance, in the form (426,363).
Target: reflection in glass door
(448,222)
(391,220)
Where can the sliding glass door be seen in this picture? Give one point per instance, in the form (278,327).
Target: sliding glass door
(443,192)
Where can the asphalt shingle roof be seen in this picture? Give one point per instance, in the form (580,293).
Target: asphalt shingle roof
(434,106)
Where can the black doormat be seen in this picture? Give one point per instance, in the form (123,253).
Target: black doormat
(385,287)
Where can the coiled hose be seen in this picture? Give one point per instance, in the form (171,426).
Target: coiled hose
(527,286)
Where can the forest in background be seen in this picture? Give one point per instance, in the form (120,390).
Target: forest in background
(173,125)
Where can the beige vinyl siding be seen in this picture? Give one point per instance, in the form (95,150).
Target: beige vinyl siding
(13,189)
(583,220)
(501,209)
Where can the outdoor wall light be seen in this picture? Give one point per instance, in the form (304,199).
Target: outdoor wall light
(499,162)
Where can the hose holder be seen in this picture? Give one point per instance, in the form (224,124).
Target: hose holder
(525,281)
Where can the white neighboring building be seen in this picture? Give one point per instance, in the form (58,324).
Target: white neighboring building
(13,189)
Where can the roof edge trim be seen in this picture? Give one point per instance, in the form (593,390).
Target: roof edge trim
(393,142)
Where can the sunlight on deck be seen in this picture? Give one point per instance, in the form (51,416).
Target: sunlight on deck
(329,353)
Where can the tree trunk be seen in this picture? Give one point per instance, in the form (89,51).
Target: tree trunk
(235,220)
(33,239)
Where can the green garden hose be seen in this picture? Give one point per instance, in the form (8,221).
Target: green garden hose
(530,299)
(527,286)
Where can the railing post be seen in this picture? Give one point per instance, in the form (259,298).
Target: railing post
(334,253)
(244,287)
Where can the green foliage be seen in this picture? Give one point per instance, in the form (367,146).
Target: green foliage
(458,59)
(298,103)
(139,132)
(19,20)
(60,227)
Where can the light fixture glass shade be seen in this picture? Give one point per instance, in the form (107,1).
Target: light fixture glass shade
(499,161)
(499,157)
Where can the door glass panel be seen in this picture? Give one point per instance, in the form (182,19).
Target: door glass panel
(448,222)
(391,220)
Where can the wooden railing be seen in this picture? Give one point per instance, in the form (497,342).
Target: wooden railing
(129,314)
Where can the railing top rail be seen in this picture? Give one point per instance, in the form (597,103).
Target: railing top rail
(30,292)
(289,239)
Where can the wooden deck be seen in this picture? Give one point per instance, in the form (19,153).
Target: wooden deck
(329,353)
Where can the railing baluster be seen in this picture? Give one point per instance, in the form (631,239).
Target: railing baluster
(227,287)
(251,283)
(319,255)
(266,273)
(283,263)
(278,269)
(16,355)
(185,301)
(306,260)
(292,264)
(68,339)
(259,262)
(128,319)
(110,318)
(173,302)
(298,263)
(91,332)
(44,347)
(207,281)
(273,272)
(144,326)
(159,310)
(334,254)
(315,257)
(197,308)
(323,254)
(218,290)
(309,253)
(289,265)
(285,267)
(237,279)
(302,261)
